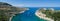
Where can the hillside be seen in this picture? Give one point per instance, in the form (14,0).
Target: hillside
(54,14)
(6,11)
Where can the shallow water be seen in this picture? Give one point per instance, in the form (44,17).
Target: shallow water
(28,15)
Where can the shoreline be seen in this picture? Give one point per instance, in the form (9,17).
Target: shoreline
(42,16)
(10,19)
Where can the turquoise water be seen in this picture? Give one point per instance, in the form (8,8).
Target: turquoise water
(28,15)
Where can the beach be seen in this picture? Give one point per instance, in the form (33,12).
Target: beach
(41,15)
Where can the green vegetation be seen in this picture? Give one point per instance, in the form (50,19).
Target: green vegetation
(6,11)
(56,16)
(52,14)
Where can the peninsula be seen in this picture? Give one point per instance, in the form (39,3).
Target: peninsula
(49,14)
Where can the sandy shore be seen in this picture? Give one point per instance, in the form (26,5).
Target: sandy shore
(41,15)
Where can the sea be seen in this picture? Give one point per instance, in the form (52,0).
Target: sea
(29,15)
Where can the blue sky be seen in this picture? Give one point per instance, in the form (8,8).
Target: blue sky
(33,3)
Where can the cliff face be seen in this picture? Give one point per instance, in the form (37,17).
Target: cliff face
(6,10)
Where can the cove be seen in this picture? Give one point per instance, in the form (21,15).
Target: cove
(28,15)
